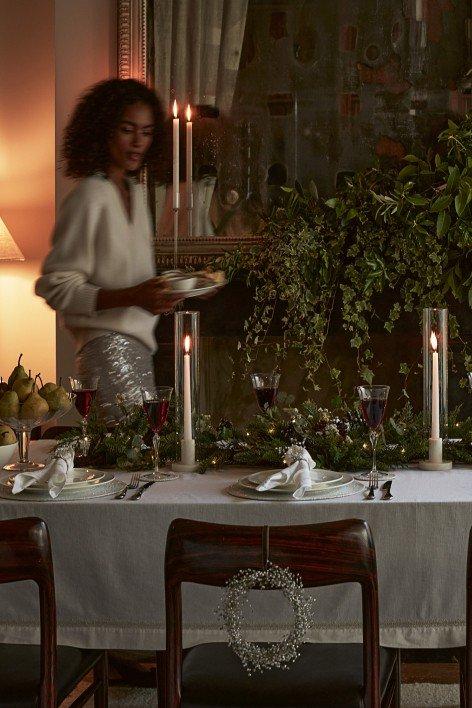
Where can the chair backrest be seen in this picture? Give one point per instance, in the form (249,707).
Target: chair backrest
(322,554)
(25,554)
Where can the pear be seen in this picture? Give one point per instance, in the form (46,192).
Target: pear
(3,386)
(48,388)
(9,405)
(58,399)
(23,387)
(17,373)
(34,407)
(7,436)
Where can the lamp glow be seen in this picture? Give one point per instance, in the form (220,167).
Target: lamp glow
(9,251)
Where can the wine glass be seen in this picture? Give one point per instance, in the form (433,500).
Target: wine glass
(84,390)
(266,387)
(156,407)
(373,401)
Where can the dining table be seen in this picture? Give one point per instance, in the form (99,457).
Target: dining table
(109,555)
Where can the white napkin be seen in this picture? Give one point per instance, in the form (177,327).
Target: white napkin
(301,465)
(59,469)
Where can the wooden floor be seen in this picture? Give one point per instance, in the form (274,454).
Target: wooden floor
(417,667)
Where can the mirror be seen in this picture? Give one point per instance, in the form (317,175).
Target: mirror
(287,91)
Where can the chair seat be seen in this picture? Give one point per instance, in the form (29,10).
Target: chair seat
(325,675)
(20,666)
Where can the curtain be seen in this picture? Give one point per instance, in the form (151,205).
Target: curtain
(197,50)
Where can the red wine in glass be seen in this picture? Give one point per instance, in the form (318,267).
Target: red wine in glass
(156,413)
(84,399)
(266,397)
(266,387)
(373,410)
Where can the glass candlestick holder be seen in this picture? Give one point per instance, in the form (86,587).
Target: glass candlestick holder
(435,385)
(187,380)
(435,320)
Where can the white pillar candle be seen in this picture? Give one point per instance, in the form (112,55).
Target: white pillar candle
(175,158)
(189,171)
(187,432)
(435,389)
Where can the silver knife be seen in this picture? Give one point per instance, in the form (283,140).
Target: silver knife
(142,489)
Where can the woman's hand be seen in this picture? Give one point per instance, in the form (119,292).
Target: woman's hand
(154,296)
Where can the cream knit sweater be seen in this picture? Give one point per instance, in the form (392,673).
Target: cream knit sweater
(95,245)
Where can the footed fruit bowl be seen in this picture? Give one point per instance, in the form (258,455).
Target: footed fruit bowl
(23,428)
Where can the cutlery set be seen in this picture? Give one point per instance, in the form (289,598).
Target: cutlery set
(133,484)
(385,489)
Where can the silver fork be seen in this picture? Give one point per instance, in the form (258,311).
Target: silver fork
(133,484)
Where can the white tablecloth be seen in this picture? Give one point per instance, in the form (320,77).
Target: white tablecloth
(109,556)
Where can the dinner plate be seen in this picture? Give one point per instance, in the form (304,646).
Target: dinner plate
(351,487)
(83,477)
(107,486)
(339,480)
(322,479)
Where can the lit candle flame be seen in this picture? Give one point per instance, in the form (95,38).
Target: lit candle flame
(187,344)
(175,109)
(189,113)
(434,341)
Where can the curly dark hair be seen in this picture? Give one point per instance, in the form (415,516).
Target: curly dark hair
(97,113)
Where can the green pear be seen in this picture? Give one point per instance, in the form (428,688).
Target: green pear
(23,387)
(58,399)
(17,373)
(34,407)
(3,386)
(48,388)
(9,405)
(7,436)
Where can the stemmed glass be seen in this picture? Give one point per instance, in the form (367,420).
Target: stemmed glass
(266,387)
(156,407)
(84,390)
(373,401)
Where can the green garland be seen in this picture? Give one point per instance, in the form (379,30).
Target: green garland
(335,441)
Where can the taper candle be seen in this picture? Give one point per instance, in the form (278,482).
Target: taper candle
(187,431)
(189,171)
(175,158)
(435,389)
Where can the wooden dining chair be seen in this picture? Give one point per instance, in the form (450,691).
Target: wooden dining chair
(42,676)
(325,674)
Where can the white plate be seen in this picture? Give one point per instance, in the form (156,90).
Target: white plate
(108,486)
(351,487)
(203,287)
(322,479)
(83,477)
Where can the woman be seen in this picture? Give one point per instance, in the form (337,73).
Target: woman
(99,274)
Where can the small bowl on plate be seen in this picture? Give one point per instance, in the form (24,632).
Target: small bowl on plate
(6,453)
(179,281)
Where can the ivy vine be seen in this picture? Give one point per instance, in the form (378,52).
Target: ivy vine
(406,230)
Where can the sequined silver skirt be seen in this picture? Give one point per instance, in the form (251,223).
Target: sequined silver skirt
(124,365)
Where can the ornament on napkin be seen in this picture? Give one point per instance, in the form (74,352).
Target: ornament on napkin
(59,469)
(299,472)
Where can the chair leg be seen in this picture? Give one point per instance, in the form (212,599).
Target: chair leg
(100,675)
(398,681)
(161,678)
(462,675)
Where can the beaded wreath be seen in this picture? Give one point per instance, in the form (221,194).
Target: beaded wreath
(257,657)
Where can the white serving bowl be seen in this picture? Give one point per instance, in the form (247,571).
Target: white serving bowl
(6,453)
(179,281)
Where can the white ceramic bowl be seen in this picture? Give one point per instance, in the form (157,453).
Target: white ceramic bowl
(6,453)
(179,281)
